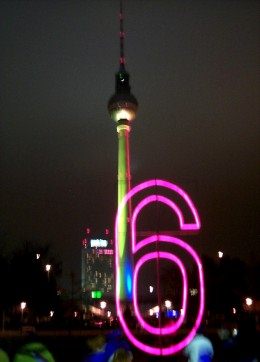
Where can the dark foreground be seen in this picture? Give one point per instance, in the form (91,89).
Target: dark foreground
(71,347)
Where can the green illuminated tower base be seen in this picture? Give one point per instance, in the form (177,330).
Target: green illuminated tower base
(124,184)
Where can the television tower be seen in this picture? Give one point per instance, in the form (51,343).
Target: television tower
(122,107)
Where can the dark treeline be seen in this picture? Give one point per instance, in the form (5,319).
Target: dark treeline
(24,278)
(228,282)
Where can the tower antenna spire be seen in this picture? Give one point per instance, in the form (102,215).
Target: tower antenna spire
(121,36)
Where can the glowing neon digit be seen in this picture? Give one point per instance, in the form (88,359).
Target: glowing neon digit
(174,326)
(195,225)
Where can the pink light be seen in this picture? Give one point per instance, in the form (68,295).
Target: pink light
(175,325)
(183,343)
(164,200)
(84,243)
(173,348)
(195,225)
(168,185)
(105,251)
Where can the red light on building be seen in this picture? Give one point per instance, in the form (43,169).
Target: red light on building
(84,243)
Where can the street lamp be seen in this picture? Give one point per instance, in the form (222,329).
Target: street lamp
(168,304)
(220,254)
(249,302)
(48,268)
(156,309)
(103,305)
(23,306)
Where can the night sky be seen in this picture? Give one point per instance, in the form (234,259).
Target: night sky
(194,69)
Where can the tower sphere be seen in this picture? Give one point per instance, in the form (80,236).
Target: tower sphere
(122,106)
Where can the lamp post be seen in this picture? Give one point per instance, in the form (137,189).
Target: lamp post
(220,254)
(23,306)
(103,304)
(48,268)
(168,304)
(249,302)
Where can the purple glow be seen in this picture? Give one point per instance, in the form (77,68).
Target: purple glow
(166,201)
(168,185)
(174,326)
(195,225)
(182,344)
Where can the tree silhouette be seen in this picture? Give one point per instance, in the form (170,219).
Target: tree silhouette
(23,277)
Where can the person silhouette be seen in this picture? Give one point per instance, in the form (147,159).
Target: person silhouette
(200,348)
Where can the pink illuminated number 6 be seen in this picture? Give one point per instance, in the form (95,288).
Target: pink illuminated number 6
(136,246)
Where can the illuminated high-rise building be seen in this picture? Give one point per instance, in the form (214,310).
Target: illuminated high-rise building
(122,107)
(97,267)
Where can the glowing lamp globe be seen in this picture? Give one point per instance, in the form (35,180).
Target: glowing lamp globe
(249,301)
(168,304)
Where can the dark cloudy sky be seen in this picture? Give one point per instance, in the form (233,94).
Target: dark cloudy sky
(194,68)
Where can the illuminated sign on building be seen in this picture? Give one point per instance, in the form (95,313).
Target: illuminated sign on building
(108,252)
(84,243)
(98,243)
(96,294)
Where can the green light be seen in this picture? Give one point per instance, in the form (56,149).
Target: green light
(96,294)
(123,187)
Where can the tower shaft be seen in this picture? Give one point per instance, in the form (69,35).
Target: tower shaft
(124,174)
(124,185)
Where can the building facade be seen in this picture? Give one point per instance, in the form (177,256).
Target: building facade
(97,268)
